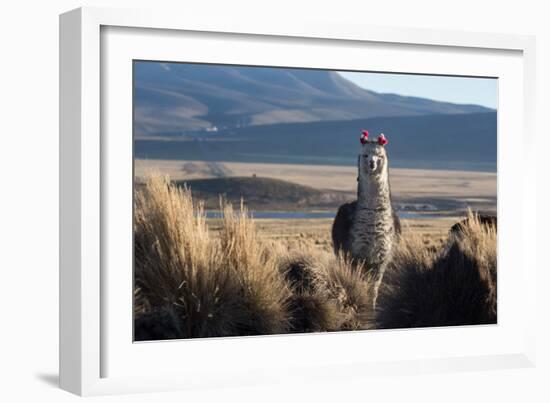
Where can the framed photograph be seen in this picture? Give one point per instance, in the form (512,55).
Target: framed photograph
(245,203)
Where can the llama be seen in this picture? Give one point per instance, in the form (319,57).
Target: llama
(368,228)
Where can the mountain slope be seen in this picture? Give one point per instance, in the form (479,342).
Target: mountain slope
(456,141)
(179,97)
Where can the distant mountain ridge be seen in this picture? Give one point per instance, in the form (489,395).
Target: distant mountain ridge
(174,98)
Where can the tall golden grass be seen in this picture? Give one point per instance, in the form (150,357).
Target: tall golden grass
(455,286)
(328,292)
(191,283)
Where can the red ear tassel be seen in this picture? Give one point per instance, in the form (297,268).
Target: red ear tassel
(382,140)
(364,136)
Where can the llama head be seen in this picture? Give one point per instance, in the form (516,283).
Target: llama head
(372,157)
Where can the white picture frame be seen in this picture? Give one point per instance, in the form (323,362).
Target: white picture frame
(97,357)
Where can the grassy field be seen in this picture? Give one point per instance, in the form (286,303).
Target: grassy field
(316,232)
(196,277)
(450,193)
(408,185)
(464,185)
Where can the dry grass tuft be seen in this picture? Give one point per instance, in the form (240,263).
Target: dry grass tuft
(457,287)
(352,289)
(212,287)
(329,292)
(266,294)
(312,308)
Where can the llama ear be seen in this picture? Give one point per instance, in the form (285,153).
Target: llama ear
(382,140)
(364,136)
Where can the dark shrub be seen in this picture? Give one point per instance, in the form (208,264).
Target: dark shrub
(456,288)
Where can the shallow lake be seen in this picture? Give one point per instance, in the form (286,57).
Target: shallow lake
(310,214)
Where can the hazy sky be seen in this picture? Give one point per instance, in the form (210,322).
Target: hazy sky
(462,90)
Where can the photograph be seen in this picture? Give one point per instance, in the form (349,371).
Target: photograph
(275,200)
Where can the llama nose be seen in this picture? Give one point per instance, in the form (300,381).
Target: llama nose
(372,164)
